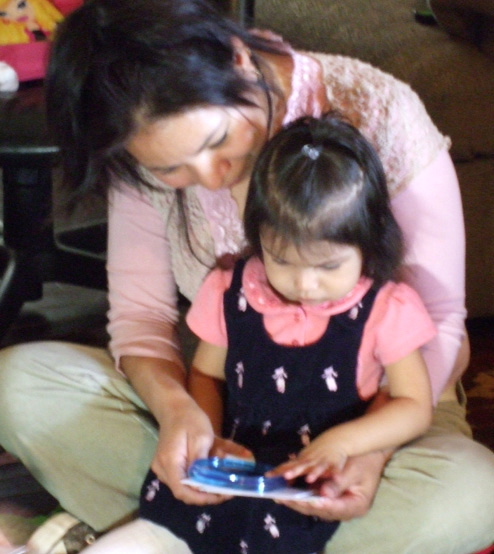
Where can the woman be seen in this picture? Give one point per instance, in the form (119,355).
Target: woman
(168,104)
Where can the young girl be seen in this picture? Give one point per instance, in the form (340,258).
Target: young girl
(298,337)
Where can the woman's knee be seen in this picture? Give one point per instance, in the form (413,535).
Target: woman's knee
(36,381)
(453,509)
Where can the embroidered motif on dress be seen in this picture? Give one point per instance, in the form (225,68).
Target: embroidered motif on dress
(239,370)
(280,376)
(304,433)
(329,375)
(355,311)
(152,489)
(242,301)
(270,525)
(203,522)
(266,426)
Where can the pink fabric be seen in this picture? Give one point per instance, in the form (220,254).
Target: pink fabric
(435,259)
(388,334)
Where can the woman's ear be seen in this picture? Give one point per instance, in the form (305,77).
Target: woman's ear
(242,60)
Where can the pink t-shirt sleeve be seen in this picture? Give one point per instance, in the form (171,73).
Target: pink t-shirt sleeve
(403,323)
(205,317)
(399,324)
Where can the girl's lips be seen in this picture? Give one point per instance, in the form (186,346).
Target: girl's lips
(22,19)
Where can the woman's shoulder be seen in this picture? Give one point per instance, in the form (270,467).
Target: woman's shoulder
(387,111)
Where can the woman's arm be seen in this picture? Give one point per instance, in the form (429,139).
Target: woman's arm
(142,321)
(142,292)
(429,212)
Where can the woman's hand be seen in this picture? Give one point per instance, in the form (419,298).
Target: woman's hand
(185,431)
(185,434)
(348,493)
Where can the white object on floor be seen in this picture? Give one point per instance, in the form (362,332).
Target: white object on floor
(9,82)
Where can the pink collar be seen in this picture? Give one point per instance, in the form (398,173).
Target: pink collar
(264,300)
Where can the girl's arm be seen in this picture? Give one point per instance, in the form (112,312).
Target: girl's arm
(206,382)
(206,385)
(406,415)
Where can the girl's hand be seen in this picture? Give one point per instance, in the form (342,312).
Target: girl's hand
(323,457)
(347,494)
(185,434)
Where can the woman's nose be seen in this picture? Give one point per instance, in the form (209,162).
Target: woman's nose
(212,172)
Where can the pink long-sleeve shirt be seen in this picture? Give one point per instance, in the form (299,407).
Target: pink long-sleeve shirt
(425,201)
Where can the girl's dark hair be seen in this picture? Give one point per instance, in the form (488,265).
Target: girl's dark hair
(320,179)
(114,63)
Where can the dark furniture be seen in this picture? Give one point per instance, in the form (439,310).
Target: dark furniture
(32,253)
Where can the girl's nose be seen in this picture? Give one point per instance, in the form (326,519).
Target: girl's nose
(306,280)
(212,172)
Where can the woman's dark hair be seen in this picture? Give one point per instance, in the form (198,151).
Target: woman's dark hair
(320,179)
(115,62)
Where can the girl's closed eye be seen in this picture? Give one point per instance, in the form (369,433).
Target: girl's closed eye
(330,266)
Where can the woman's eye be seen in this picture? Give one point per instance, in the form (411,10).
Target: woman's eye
(22,4)
(219,142)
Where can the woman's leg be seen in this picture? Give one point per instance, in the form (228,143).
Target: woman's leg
(435,496)
(78,426)
(139,537)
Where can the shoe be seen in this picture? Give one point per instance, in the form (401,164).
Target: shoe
(61,534)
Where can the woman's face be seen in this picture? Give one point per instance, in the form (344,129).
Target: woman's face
(212,146)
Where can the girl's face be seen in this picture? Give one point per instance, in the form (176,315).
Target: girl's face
(212,146)
(313,273)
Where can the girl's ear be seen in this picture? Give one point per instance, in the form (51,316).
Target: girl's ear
(242,60)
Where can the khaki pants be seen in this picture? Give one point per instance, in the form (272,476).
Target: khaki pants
(86,436)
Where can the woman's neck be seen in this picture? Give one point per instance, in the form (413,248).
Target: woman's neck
(277,71)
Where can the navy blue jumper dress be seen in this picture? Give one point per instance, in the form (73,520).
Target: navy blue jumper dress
(277,399)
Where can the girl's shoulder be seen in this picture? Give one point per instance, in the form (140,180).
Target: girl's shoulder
(398,301)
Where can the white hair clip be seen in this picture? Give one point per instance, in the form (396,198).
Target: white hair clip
(311,152)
